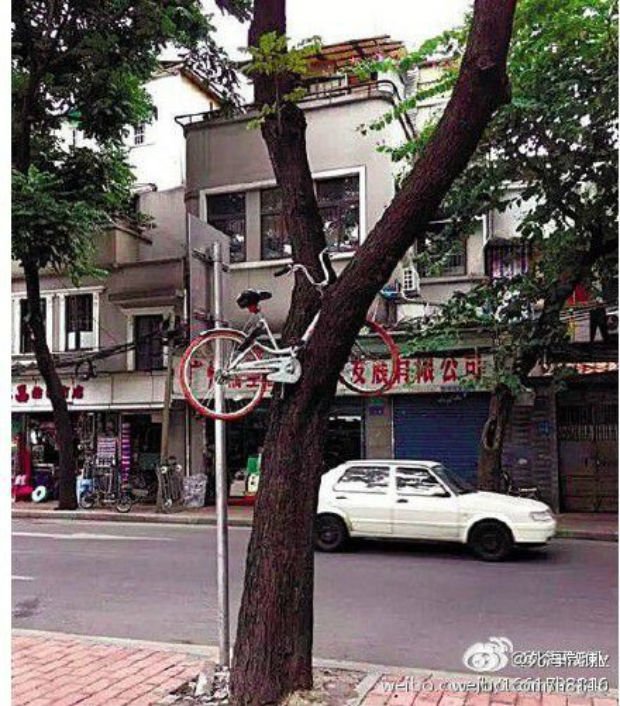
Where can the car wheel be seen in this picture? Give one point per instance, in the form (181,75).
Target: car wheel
(490,540)
(330,533)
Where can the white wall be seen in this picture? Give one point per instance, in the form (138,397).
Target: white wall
(161,159)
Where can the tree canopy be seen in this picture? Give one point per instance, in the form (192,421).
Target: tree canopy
(86,63)
(556,142)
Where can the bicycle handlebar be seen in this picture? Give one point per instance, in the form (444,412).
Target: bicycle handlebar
(323,260)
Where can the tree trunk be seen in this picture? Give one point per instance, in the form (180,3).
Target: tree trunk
(273,650)
(492,440)
(62,421)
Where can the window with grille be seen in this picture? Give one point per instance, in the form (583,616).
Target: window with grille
(435,263)
(25,333)
(148,339)
(339,204)
(275,242)
(507,260)
(79,322)
(226,212)
(139,134)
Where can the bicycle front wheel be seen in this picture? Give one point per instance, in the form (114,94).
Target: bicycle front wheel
(243,390)
(124,503)
(372,366)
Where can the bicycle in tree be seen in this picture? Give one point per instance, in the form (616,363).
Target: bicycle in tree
(252,357)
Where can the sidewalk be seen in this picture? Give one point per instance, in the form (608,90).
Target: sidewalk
(53,669)
(596,526)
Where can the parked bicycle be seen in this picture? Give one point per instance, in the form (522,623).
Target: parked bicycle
(252,357)
(143,484)
(106,488)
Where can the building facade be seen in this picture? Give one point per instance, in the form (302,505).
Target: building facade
(563,442)
(119,321)
(230,184)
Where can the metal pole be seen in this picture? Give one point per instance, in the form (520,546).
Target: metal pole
(165,426)
(221,481)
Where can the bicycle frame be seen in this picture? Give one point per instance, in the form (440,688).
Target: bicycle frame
(278,355)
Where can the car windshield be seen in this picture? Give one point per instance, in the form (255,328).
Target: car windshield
(455,483)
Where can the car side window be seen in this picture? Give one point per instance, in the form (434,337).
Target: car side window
(416,481)
(364,479)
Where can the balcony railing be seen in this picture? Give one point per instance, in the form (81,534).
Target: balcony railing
(453,265)
(320,88)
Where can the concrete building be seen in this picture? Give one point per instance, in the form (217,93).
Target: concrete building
(142,294)
(230,184)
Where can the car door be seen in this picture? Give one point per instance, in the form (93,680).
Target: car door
(362,493)
(424,508)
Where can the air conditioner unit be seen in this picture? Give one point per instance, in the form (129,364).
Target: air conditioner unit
(411,282)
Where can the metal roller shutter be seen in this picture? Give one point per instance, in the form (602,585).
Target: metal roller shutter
(441,428)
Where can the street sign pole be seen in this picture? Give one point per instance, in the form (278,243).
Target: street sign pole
(221,481)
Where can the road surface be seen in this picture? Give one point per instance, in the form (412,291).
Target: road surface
(391,604)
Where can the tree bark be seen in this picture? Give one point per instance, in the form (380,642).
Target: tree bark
(492,439)
(273,650)
(62,421)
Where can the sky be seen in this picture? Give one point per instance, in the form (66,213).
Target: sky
(410,21)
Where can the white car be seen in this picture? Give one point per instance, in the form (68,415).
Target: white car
(424,500)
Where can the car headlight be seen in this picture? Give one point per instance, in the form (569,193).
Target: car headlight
(541,515)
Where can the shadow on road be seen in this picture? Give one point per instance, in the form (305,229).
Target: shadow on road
(421,549)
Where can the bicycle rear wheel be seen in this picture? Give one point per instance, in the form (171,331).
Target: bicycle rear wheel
(87,500)
(372,366)
(197,376)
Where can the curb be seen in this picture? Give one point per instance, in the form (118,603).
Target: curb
(587,534)
(138,518)
(208,652)
(180,519)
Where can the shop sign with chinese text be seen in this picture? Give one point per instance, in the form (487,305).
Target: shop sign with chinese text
(414,375)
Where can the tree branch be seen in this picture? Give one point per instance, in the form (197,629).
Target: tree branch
(482,86)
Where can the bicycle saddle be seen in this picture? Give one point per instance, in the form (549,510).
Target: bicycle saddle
(250,298)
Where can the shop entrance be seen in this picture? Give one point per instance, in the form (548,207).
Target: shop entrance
(245,439)
(145,435)
(588,450)
(444,428)
(345,433)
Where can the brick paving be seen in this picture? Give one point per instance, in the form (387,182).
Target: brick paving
(63,670)
(428,690)
(67,671)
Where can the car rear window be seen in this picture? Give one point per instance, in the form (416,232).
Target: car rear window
(364,479)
